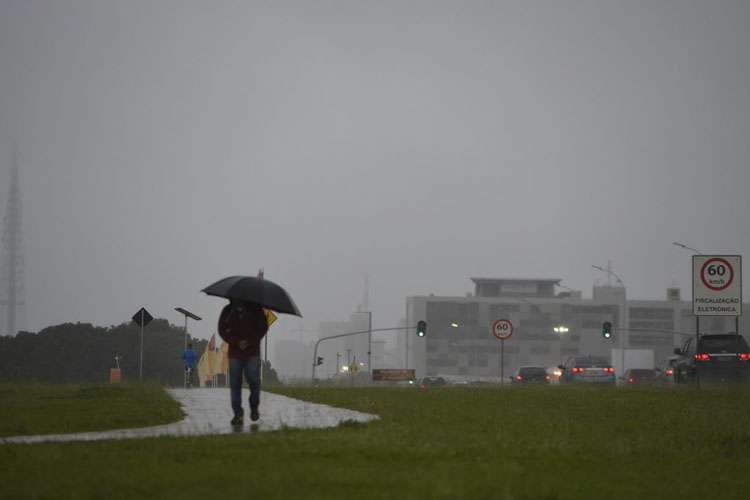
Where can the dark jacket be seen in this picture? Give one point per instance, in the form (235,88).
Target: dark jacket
(238,322)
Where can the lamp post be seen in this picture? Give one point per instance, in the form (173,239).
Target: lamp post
(560,330)
(187,315)
(369,343)
(610,272)
(681,245)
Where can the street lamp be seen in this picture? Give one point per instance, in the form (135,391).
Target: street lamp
(187,314)
(610,272)
(681,245)
(560,329)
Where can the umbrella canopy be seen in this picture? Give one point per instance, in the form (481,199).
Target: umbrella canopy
(258,290)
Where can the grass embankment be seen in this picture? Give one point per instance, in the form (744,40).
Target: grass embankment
(536,442)
(27,409)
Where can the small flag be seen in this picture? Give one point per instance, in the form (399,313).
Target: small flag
(212,343)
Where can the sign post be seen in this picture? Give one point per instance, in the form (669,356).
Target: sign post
(502,329)
(142,318)
(717,289)
(717,285)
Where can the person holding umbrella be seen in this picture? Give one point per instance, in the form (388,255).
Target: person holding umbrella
(242,325)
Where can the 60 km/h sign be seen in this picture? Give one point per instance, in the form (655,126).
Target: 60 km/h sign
(717,285)
(717,274)
(502,329)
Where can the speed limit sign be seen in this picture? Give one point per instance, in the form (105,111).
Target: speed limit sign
(717,285)
(502,329)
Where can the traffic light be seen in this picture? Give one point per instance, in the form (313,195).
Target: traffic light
(421,328)
(320,361)
(607,330)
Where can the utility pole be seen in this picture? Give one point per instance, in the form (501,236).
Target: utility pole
(12,255)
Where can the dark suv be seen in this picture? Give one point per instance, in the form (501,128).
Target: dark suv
(722,358)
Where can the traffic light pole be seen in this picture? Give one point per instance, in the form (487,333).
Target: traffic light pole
(369,332)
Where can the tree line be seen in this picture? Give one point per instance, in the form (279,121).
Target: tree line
(84,353)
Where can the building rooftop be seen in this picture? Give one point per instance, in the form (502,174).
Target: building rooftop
(514,287)
(515,280)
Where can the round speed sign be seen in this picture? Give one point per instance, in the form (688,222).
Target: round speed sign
(502,329)
(717,274)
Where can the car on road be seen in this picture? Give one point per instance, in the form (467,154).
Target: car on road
(587,369)
(713,358)
(530,375)
(640,376)
(432,382)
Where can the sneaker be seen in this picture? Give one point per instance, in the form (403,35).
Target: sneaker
(254,415)
(237,420)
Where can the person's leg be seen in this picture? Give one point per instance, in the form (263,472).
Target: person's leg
(252,373)
(235,386)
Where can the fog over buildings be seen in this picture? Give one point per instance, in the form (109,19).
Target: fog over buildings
(165,144)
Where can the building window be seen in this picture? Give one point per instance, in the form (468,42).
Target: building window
(441,315)
(478,358)
(663,314)
(499,311)
(650,340)
(652,325)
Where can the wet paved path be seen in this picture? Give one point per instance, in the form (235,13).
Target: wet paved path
(208,412)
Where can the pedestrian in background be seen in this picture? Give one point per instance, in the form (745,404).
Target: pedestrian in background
(189,357)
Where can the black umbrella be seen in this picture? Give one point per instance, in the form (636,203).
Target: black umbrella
(258,290)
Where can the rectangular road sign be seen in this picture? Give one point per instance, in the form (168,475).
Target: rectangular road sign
(717,285)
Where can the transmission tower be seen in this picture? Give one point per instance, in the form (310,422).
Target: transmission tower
(11,267)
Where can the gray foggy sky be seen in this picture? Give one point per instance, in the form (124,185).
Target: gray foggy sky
(166,144)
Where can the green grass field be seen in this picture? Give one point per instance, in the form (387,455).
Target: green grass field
(520,443)
(27,409)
